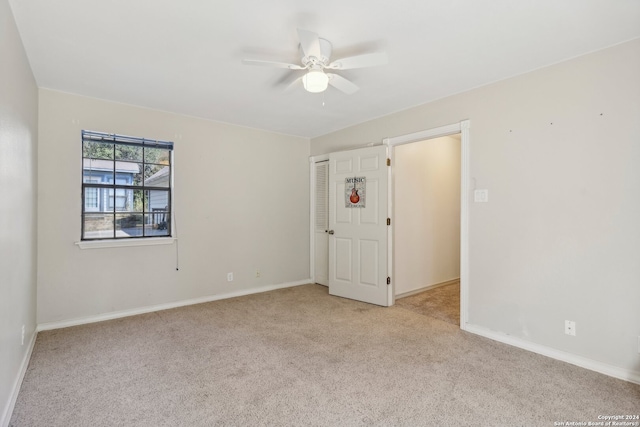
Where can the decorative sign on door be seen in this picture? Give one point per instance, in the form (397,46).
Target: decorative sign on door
(355,189)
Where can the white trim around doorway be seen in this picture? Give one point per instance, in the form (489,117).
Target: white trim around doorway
(463,129)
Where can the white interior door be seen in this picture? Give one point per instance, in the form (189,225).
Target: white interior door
(321,223)
(358,225)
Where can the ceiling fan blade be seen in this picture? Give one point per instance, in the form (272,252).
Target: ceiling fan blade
(360,61)
(272,64)
(342,84)
(310,43)
(293,84)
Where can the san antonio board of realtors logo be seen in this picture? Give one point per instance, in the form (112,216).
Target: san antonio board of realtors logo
(355,190)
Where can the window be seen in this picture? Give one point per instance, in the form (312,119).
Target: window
(126,187)
(91,197)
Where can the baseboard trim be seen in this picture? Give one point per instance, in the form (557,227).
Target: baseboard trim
(426,288)
(8,410)
(149,309)
(583,362)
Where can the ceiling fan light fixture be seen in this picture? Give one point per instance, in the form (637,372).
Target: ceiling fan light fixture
(315,81)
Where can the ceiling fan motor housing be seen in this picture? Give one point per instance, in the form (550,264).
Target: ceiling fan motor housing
(325,54)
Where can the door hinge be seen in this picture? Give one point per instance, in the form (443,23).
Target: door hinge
(388,280)
(388,162)
(388,221)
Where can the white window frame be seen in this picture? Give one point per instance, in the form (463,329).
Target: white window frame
(135,241)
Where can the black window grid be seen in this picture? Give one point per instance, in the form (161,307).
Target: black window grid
(155,214)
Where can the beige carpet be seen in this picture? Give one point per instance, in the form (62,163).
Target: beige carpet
(301,357)
(442,303)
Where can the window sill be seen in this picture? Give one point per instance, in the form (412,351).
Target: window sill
(99,244)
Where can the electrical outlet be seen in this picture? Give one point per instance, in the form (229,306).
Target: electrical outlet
(570,327)
(22,335)
(257,274)
(229,277)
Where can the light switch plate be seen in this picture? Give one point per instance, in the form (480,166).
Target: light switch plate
(481,196)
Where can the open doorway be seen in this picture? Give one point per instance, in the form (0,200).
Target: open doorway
(426,180)
(463,129)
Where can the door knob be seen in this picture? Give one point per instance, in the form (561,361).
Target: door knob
(330,231)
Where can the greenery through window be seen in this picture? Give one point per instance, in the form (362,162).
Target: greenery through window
(126,187)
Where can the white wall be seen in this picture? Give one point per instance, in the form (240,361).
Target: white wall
(18,177)
(241,202)
(558,149)
(426,182)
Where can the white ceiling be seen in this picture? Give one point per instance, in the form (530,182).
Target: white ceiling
(185,56)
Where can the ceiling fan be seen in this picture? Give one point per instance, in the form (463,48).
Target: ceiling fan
(316,55)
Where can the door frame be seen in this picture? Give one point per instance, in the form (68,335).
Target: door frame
(463,129)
